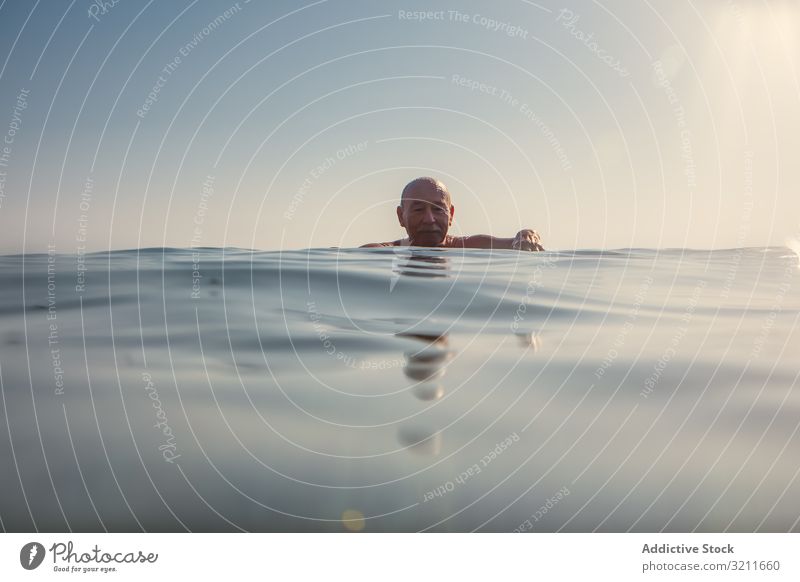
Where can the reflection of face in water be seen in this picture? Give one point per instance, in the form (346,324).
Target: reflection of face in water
(428,391)
(529,339)
(411,263)
(422,366)
(427,365)
(430,361)
(420,440)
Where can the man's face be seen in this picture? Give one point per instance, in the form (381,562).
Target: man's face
(426,213)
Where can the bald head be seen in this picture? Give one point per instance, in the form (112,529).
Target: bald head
(423,187)
(426,211)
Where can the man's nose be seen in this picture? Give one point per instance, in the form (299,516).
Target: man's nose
(428,217)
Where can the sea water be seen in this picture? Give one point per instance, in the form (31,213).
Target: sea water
(400,389)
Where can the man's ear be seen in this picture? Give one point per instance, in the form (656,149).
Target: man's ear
(400,216)
(452,213)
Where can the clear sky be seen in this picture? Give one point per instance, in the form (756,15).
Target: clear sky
(296,124)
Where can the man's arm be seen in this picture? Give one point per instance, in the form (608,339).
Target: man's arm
(525,240)
(372,245)
(485,241)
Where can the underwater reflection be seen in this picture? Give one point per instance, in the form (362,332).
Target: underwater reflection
(424,366)
(531,339)
(421,263)
(430,361)
(411,263)
(426,392)
(420,440)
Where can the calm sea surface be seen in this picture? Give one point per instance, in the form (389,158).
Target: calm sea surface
(400,390)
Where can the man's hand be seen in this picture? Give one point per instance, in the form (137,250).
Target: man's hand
(527,240)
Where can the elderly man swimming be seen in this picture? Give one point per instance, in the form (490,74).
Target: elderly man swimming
(426,212)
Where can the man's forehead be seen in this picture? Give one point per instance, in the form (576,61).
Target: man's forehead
(426,192)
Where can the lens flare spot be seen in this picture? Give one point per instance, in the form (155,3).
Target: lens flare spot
(353,520)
